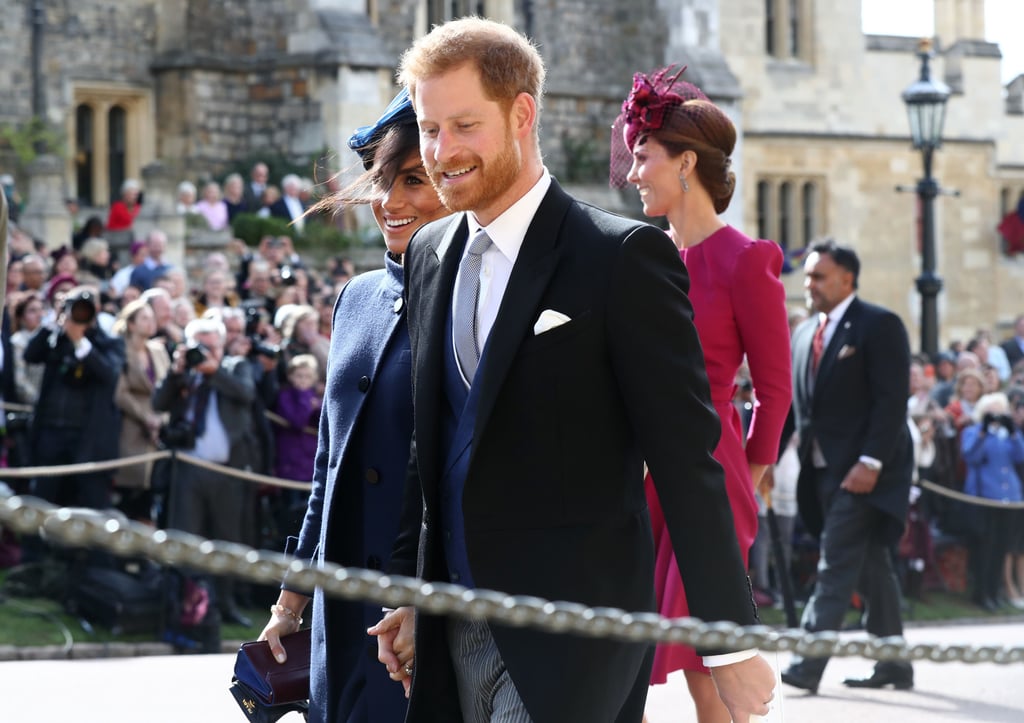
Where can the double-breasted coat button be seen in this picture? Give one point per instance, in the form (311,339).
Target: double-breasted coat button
(399,303)
(364,384)
(372,476)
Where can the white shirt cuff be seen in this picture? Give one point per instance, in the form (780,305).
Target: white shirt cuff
(875,464)
(715,661)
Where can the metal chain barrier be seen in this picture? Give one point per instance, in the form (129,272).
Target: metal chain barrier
(87,528)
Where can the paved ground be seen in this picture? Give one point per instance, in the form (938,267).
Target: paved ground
(172,689)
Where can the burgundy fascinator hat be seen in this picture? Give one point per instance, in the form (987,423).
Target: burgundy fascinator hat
(644,111)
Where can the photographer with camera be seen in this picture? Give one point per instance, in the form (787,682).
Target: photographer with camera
(209,397)
(75,419)
(991,448)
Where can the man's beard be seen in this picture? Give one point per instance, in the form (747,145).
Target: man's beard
(493,180)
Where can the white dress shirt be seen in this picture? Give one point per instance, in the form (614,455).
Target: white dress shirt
(506,232)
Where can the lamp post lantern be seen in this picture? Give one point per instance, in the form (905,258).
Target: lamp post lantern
(926,110)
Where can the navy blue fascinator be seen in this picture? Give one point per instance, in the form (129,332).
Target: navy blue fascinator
(398,112)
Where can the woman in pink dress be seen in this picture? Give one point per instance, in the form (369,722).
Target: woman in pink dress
(674,145)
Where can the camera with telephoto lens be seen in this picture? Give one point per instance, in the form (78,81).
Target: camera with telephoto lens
(80,306)
(287,276)
(260,347)
(196,354)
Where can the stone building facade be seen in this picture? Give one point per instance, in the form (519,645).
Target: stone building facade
(201,85)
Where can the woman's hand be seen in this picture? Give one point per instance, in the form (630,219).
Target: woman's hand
(756,473)
(281,623)
(766,483)
(396,647)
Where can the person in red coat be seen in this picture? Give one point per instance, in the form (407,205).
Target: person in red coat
(123,212)
(676,145)
(1011,228)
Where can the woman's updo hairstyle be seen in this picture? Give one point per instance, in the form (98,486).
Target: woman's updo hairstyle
(702,127)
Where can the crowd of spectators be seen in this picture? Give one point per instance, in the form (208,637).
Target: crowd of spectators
(967,410)
(85,381)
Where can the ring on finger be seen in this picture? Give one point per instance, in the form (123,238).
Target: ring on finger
(408,669)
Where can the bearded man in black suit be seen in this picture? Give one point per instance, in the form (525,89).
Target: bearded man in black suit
(537,400)
(851,363)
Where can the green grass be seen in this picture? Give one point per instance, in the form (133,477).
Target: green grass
(932,607)
(40,621)
(44,622)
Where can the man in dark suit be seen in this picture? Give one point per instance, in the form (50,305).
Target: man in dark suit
(290,206)
(252,192)
(851,364)
(538,395)
(1014,346)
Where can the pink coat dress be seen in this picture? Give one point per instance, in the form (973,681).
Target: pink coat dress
(740,310)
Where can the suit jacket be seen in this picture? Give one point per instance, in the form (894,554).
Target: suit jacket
(100,369)
(235,393)
(279,209)
(554,503)
(1013,351)
(857,405)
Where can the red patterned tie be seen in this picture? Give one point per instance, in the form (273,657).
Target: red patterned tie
(818,344)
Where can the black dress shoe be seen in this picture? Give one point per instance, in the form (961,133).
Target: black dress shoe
(900,680)
(800,678)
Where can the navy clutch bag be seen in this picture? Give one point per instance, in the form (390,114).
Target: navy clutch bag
(265,689)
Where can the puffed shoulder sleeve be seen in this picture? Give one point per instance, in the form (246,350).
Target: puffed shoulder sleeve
(759,301)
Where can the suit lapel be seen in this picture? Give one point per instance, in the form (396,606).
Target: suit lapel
(531,274)
(438,270)
(842,336)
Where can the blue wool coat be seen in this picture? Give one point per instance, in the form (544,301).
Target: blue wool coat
(991,460)
(354,507)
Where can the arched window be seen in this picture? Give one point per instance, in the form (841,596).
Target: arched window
(117,135)
(785,215)
(809,208)
(794,28)
(439,11)
(764,209)
(84,153)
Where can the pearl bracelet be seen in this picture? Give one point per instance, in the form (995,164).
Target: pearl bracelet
(281,610)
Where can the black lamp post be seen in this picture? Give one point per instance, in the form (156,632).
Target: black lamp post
(926,109)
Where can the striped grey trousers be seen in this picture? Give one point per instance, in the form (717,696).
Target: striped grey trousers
(486,692)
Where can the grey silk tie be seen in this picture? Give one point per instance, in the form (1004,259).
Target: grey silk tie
(467,293)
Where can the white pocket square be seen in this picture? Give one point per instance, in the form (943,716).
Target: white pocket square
(548,320)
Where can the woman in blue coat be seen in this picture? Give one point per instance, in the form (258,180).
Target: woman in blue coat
(991,449)
(353,513)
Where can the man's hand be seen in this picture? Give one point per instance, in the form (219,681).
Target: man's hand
(746,688)
(396,648)
(860,480)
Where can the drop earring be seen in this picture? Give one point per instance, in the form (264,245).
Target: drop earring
(686,186)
